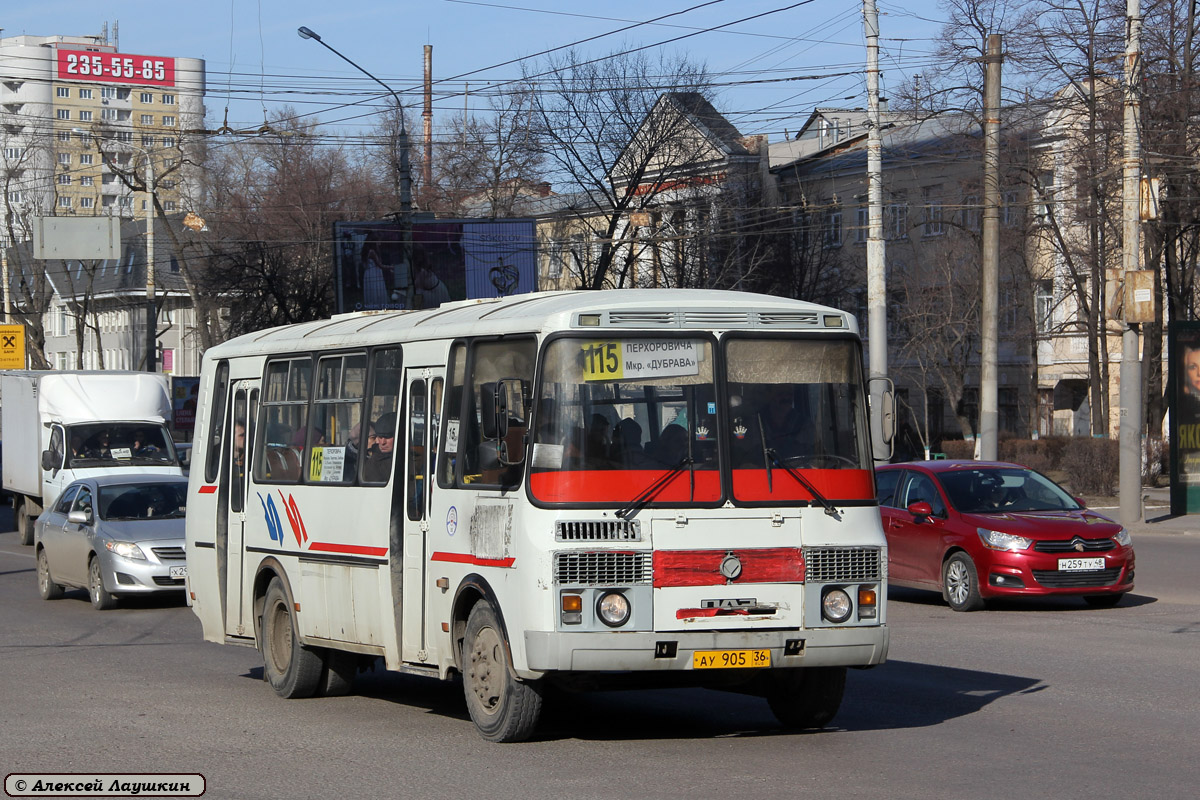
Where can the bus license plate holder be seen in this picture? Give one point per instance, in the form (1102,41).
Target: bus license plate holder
(731,659)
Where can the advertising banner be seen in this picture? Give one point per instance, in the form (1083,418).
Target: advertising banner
(1183,349)
(451,260)
(185,392)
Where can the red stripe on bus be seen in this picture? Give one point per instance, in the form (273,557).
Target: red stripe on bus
(703,567)
(354,549)
(623,485)
(833,484)
(690,613)
(466,558)
(208,489)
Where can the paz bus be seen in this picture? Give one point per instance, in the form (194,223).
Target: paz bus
(671,487)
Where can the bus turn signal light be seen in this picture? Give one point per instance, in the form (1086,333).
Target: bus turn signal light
(867,602)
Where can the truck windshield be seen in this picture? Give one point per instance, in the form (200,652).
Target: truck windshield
(119,444)
(616,417)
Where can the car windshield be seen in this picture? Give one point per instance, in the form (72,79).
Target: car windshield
(166,500)
(1004,489)
(120,444)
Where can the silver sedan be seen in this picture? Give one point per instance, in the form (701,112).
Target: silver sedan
(113,535)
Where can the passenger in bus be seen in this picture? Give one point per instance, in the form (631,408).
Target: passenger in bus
(299,437)
(786,431)
(239,448)
(627,451)
(377,466)
(672,446)
(353,444)
(599,442)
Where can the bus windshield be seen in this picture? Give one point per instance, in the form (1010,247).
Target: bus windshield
(614,417)
(619,418)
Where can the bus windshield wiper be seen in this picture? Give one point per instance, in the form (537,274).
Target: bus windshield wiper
(650,492)
(803,481)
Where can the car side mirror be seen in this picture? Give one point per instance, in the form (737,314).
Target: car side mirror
(50,460)
(1080,501)
(80,517)
(920,509)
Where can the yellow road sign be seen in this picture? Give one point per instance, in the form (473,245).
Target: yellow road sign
(12,347)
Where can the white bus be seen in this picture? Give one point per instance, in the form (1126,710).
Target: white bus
(565,488)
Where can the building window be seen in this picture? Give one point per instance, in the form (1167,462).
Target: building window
(862,224)
(87,180)
(64,136)
(87,202)
(64,180)
(897,221)
(13,153)
(167,184)
(85,94)
(833,228)
(64,113)
(125,137)
(63,91)
(169,205)
(1010,214)
(168,121)
(1043,301)
(86,116)
(1007,402)
(108,92)
(147,141)
(147,119)
(14,197)
(64,158)
(970,212)
(168,141)
(64,202)
(147,97)
(85,158)
(168,99)
(108,113)
(168,163)
(935,225)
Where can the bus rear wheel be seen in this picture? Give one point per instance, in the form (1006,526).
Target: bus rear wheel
(806,698)
(292,669)
(503,707)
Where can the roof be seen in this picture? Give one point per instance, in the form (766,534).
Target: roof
(546,312)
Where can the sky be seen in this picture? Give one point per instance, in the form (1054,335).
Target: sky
(773,62)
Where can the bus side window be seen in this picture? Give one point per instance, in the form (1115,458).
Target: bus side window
(493,365)
(382,402)
(279,453)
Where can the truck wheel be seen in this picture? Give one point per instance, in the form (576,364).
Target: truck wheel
(47,588)
(102,599)
(23,522)
(806,698)
(292,669)
(503,707)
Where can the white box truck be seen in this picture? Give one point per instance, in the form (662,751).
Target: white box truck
(59,426)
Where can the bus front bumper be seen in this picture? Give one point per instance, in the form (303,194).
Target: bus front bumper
(547,651)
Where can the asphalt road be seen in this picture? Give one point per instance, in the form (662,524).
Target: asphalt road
(1043,699)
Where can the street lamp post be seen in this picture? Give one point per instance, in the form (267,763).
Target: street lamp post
(151,306)
(405,169)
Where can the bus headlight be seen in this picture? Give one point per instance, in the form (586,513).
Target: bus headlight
(836,605)
(613,609)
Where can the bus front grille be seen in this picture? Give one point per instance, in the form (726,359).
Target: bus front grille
(842,564)
(607,530)
(604,568)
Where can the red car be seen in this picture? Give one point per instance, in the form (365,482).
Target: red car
(975,530)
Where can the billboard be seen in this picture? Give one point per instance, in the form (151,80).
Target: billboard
(1183,350)
(451,260)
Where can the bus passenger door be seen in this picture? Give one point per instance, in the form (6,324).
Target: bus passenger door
(240,437)
(422,406)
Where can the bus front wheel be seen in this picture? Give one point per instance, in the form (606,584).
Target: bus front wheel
(503,707)
(806,698)
(292,669)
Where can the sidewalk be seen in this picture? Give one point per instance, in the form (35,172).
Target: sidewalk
(1156,514)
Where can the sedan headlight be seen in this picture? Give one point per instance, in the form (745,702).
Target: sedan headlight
(1123,538)
(126,550)
(998,540)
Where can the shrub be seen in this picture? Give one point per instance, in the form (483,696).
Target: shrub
(1032,453)
(958,448)
(1092,465)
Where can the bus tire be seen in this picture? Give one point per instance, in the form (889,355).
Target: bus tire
(337,676)
(24,523)
(806,698)
(503,707)
(292,669)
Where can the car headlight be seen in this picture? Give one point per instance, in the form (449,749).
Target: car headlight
(126,550)
(998,540)
(613,609)
(836,605)
(1123,538)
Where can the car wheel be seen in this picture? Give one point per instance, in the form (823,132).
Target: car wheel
(503,707)
(24,523)
(292,669)
(102,599)
(47,588)
(806,698)
(960,583)
(1103,600)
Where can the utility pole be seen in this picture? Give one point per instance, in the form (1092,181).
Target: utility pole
(427,116)
(877,332)
(989,283)
(1130,426)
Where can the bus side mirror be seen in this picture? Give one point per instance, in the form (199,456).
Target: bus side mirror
(883,391)
(493,412)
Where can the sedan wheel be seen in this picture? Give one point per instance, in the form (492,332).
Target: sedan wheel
(102,599)
(47,588)
(960,584)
